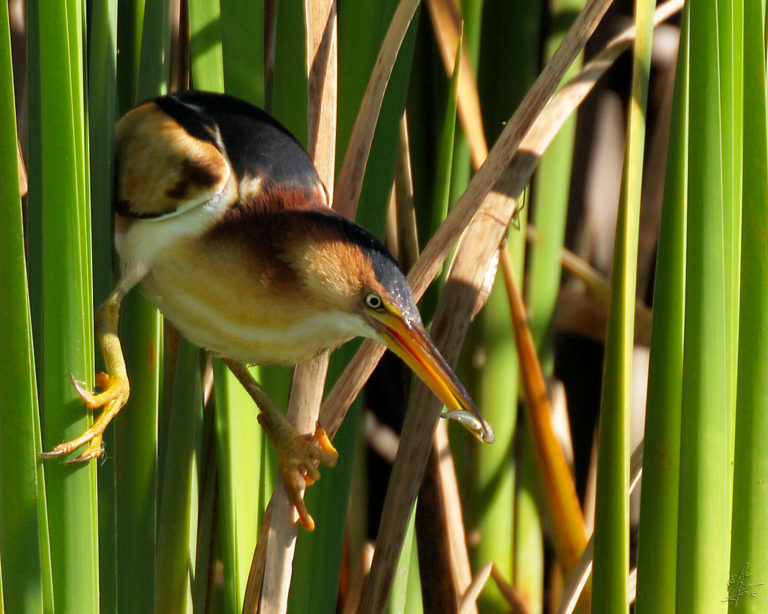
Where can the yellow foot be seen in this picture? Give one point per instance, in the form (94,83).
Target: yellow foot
(299,456)
(112,399)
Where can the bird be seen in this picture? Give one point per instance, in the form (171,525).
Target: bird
(222,219)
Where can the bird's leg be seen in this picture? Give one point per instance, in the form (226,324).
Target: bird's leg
(114,382)
(298,454)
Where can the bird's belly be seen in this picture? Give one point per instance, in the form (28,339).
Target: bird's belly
(233,317)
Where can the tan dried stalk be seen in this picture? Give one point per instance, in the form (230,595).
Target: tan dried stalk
(467,602)
(308,378)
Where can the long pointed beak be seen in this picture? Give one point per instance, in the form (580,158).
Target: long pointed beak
(411,342)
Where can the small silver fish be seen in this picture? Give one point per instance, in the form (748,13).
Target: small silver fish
(481,430)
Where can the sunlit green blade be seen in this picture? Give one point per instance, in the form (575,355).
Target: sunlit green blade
(136,438)
(178,518)
(205,34)
(611,537)
(551,190)
(362,26)
(657,547)
(413,599)
(494,476)
(57,185)
(445,150)
(496,382)
(749,534)
(472,13)
(101,117)
(25,579)
(288,89)
(705,472)
(245,480)
(243,49)
(130,19)
(398,600)
(135,452)
(322,549)
(730,26)
(154,59)
(446,147)
(528,564)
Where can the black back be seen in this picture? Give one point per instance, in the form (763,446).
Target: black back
(255,143)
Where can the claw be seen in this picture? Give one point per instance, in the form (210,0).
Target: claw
(331,454)
(111,400)
(94,450)
(305,518)
(82,390)
(299,456)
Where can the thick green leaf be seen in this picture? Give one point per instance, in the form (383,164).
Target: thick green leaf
(407,565)
(136,430)
(552,182)
(749,533)
(657,547)
(205,33)
(243,49)
(102,84)
(611,537)
(58,184)
(25,579)
(178,517)
(707,418)
(246,479)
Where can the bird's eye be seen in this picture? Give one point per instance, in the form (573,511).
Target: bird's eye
(373,300)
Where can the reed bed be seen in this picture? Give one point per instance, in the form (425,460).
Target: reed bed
(606,159)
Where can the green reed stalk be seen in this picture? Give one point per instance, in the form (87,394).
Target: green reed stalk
(102,103)
(25,579)
(611,537)
(707,419)
(59,192)
(657,547)
(749,533)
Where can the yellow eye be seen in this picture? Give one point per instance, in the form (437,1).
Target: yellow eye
(373,301)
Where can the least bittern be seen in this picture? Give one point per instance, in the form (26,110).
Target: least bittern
(221,216)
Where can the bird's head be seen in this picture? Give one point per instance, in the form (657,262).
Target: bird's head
(352,273)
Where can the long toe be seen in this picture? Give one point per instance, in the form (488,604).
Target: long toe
(328,455)
(111,401)
(299,457)
(94,450)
